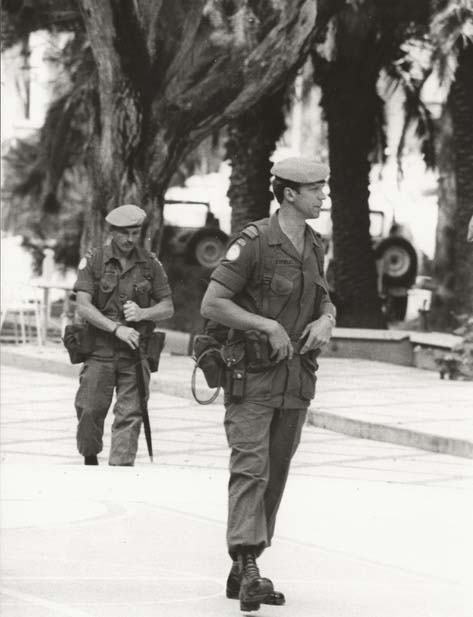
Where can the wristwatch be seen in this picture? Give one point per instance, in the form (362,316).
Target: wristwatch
(331,317)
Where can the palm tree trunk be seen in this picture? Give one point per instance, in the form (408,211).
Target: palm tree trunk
(443,299)
(252,140)
(351,105)
(354,264)
(461,104)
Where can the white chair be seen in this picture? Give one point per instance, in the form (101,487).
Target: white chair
(21,302)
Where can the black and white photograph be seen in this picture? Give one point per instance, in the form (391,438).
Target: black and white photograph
(236,338)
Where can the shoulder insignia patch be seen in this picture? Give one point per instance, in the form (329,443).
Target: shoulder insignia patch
(82,263)
(233,252)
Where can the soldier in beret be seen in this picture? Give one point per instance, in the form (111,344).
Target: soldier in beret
(270,291)
(122,290)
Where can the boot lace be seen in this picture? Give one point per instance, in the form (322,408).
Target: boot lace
(251,569)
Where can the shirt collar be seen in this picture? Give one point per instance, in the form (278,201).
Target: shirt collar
(276,236)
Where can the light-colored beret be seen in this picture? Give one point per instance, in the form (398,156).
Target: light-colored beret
(126,216)
(301,170)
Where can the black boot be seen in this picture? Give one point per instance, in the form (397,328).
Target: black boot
(275,598)
(254,590)
(91,460)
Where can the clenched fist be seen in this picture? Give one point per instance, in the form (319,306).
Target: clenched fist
(132,311)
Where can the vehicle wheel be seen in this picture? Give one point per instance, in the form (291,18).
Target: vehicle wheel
(207,248)
(399,261)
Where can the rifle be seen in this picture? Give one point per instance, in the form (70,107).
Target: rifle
(140,381)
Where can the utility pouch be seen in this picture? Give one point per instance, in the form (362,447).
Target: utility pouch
(208,358)
(78,339)
(257,352)
(234,356)
(237,385)
(154,348)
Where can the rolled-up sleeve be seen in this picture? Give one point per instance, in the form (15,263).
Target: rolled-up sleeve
(160,284)
(326,305)
(235,269)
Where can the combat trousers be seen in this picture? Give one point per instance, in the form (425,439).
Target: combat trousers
(98,380)
(263,441)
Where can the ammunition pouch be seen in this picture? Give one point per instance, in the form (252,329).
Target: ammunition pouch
(209,359)
(227,357)
(78,339)
(154,347)
(257,352)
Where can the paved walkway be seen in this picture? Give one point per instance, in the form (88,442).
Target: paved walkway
(362,398)
(365,528)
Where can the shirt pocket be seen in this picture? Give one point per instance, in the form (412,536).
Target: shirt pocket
(280,290)
(280,285)
(107,286)
(142,293)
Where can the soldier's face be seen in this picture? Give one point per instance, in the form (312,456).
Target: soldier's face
(126,238)
(308,200)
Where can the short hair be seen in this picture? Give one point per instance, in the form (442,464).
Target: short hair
(279,184)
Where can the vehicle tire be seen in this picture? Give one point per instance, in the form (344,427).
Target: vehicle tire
(399,261)
(207,247)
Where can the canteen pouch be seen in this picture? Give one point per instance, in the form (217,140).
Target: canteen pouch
(78,339)
(154,348)
(208,358)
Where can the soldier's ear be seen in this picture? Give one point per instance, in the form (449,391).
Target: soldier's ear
(289,193)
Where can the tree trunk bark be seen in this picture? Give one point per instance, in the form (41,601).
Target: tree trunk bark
(169,74)
(350,102)
(461,105)
(443,299)
(252,140)
(354,262)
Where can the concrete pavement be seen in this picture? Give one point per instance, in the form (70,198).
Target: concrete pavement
(365,528)
(362,398)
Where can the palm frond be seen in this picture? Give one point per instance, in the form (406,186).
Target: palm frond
(451,27)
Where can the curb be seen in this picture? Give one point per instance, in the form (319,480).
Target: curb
(45,364)
(361,429)
(391,434)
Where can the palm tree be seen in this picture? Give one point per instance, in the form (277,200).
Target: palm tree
(452,37)
(360,39)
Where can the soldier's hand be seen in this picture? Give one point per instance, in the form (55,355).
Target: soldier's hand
(318,334)
(132,311)
(129,336)
(280,343)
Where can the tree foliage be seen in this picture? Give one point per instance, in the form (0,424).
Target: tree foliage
(168,74)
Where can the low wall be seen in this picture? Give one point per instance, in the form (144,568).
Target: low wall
(403,347)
